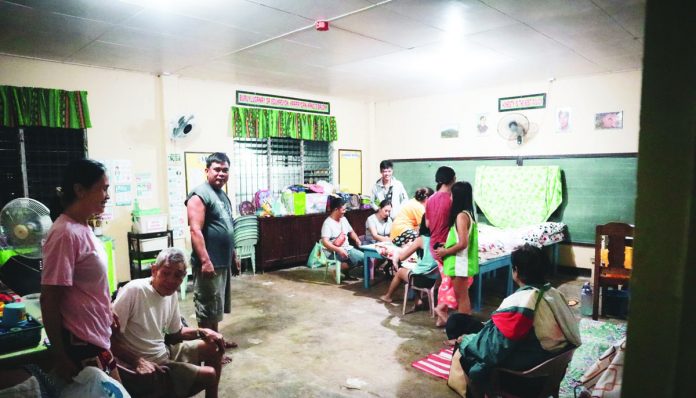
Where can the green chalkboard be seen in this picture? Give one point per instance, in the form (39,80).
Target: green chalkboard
(597,189)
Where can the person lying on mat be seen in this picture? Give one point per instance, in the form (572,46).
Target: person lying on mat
(335,234)
(423,270)
(529,327)
(164,355)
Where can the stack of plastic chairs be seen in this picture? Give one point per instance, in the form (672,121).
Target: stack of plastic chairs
(246,235)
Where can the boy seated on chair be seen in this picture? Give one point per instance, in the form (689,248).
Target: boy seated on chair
(530,326)
(163,356)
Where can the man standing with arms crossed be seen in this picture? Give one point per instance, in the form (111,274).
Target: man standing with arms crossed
(212,237)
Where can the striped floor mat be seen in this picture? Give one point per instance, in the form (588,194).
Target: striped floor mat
(437,364)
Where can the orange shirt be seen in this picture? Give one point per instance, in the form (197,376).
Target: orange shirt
(409,217)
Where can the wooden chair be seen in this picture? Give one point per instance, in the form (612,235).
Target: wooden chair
(613,273)
(552,371)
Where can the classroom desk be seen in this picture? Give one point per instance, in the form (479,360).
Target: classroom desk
(369,251)
(485,267)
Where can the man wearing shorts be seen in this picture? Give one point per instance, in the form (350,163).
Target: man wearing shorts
(212,237)
(163,356)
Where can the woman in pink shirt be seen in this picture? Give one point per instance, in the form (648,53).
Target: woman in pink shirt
(75,302)
(437,210)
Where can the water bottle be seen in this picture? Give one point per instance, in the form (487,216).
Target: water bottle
(586,299)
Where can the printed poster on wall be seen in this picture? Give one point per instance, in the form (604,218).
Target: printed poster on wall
(176,185)
(120,174)
(144,185)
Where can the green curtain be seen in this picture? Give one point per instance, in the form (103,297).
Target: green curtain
(263,123)
(43,107)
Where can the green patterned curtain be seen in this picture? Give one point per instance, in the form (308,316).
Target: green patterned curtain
(263,123)
(43,107)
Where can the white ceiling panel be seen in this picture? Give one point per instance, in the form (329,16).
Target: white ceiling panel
(129,58)
(373,50)
(242,14)
(23,18)
(519,41)
(316,9)
(532,10)
(346,46)
(42,45)
(390,27)
(458,17)
(99,10)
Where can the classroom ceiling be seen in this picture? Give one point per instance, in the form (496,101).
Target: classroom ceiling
(373,50)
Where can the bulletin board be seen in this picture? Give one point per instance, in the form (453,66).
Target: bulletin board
(350,170)
(194,166)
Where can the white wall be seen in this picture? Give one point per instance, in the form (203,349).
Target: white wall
(410,128)
(131,112)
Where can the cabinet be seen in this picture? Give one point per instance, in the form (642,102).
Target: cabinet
(143,250)
(285,241)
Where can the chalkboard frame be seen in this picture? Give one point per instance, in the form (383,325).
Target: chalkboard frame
(584,239)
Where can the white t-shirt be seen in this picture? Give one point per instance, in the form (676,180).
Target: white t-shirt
(146,317)
(332,228)
(383,228)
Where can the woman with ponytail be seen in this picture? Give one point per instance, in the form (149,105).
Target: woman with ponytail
(75,301)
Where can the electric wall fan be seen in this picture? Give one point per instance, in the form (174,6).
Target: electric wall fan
(183,127)
(513,127)
(24,224)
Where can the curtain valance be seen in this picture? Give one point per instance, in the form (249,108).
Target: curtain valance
(43,107)
(263,123)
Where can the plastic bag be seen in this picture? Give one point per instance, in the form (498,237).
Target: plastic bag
(317,257)
(94,383)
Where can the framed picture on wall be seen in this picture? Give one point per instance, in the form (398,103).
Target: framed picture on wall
(482,123)
(609,120)
(194,168)
(563,120)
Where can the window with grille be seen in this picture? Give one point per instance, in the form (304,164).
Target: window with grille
(32,160)
(275,163)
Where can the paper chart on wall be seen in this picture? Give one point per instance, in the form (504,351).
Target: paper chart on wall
(176,184)
(144,185)
(120,174)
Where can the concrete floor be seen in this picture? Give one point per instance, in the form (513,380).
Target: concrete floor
(300,336)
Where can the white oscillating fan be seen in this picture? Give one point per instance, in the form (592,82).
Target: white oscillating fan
(183,127)
(513,127)
(24,224)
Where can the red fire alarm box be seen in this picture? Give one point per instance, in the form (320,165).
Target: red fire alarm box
(322,25)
